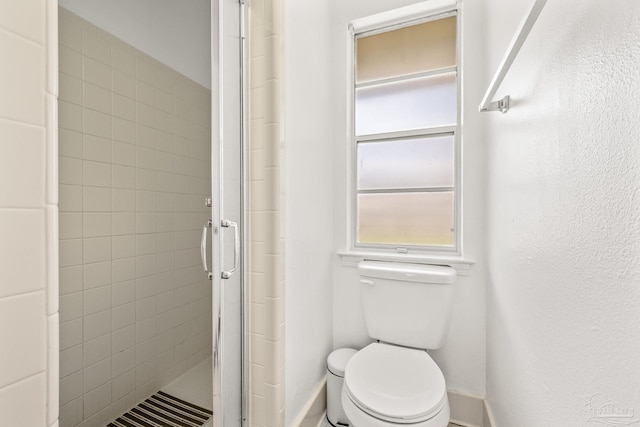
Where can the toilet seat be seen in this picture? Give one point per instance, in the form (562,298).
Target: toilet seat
(395,384)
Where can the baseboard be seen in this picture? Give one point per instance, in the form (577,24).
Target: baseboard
(313,412)
(488,420)
(466,410)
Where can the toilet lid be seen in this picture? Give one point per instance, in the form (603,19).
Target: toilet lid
(396,384)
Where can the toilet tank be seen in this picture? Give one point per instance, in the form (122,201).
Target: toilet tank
(407,304)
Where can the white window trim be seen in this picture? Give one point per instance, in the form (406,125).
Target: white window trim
(354,254)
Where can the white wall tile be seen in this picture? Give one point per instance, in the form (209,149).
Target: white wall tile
(25,18)
(123,269)
(97,149)
(124,177)
(70,171)
(22,153)
(124,108)
(24,350)
(70,334)
(23,248)
(96,249)
(71,306)
(123,293)
(70,116)
(96,224)
(96,174)
(96,73)
(95,47)
(69,145)
(122,385)
(124,200)
(21,82)
(95,350)
(97,274)
(71,387)
(124,84)
(53,368)
(70,360)
(52,146)
(124,130)
(123,223)
(96,300)
(71,413)
(97,375)
(124,154)
(97,324)
(96,199)
(146,136)
(146,287)
(97,399)
(70,198)
(70,225)
(145,330)
(70,279)
(124,338)
(24,403)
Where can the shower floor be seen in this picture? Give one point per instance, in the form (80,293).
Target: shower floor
(195,386)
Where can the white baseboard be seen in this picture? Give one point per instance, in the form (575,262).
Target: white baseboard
(466,410)
(313,412)
(488,420)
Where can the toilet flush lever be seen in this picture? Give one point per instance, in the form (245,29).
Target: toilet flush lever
(367,282)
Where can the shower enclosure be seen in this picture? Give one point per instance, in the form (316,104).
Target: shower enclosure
(152,177)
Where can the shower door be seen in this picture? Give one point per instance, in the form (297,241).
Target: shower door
(228,293)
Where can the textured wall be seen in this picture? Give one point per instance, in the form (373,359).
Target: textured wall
(135,307)
(309,213)
(28,213)
(563,217)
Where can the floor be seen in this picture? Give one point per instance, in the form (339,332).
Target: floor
(326,423)
(195,386)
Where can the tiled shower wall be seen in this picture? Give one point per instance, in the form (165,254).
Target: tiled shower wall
(134,169)
(28,213)
(267,198)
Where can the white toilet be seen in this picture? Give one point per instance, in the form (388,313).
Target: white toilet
(394,382)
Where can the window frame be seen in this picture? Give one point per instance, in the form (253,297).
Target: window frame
(376,24)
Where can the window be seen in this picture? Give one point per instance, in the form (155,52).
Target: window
(405,133)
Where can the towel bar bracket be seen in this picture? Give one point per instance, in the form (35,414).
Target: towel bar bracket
(501,105)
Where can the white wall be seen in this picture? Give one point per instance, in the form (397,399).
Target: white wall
(563,304)
(28,213)
(309,210)
(462,358)
(176,33)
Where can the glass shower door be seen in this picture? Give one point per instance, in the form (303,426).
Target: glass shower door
(227,214)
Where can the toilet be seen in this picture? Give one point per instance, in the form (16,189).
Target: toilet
(393,381)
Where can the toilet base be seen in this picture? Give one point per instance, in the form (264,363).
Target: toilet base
(359,418)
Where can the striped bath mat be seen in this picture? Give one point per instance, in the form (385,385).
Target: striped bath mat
(164,410)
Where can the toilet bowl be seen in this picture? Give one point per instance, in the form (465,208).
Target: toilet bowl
(394,382)
(388,385)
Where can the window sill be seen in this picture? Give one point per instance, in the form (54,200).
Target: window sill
(352,258)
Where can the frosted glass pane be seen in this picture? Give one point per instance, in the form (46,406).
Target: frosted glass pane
(406,105)
(415,49)
(409,163)
(406,218)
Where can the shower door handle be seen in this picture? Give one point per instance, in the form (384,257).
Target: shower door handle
(236,247)
(203,248)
